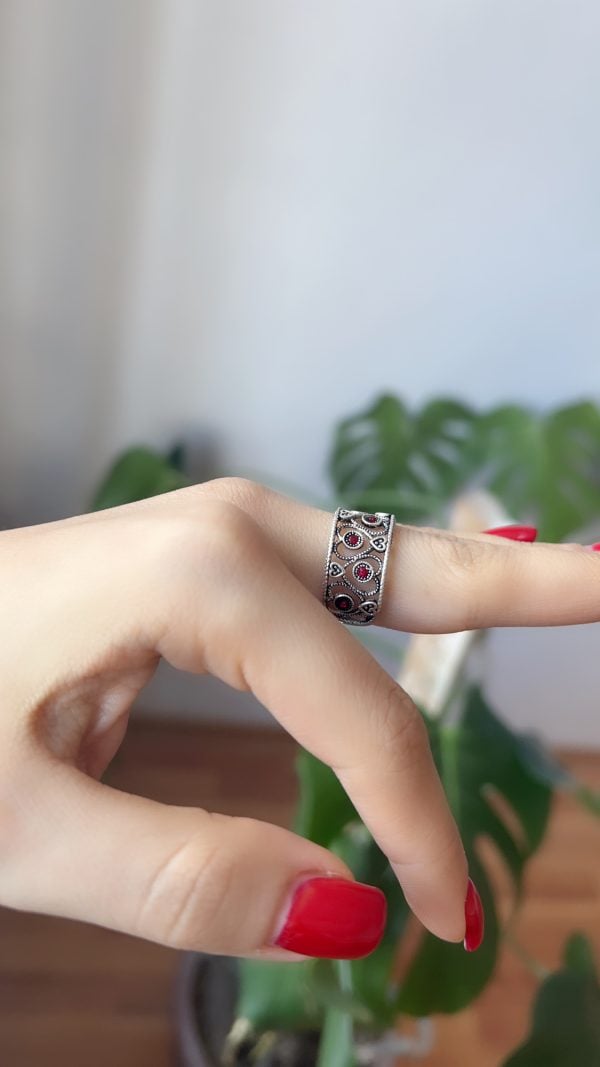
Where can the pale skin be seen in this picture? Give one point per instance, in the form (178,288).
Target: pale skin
(225,578)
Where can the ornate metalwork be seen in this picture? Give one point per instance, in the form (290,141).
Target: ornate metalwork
(356,563)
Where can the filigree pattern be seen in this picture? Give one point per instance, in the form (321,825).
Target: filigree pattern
(356,563)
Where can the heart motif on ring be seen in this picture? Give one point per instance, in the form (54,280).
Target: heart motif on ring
(379,543)
(335,570)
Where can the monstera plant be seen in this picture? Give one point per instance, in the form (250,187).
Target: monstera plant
(545,469)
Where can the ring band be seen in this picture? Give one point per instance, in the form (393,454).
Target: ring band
(356,565)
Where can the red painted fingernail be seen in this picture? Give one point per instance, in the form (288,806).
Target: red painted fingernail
(515,533)
(594,548)
(473,918)
(334,918)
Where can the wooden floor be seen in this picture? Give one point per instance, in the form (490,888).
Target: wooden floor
(78,996)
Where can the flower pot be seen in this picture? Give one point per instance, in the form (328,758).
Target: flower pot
(205,997)
(206,991)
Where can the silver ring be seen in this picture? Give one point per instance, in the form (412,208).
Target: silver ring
(356,565)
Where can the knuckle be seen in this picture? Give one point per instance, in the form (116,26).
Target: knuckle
(213,557)
(186,901)
(226,534)
(219,533)
(244,493)
(209,532)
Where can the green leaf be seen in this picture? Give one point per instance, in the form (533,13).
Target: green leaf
(543,765)
(442,446)
(491,795)
(135,475)
(279,995)
(387,459)
(324,807)
(176,456)
(331,995)
(370,448)
(566,1015)
(578,955)
(544,466)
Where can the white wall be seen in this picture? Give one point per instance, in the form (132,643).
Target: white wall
(252,217)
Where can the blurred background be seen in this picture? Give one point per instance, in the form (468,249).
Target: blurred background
(235,223)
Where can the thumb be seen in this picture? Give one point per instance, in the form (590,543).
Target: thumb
(186,877)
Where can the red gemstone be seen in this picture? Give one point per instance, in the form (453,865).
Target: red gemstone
(343,603)
(363,572)
(371,518)
(352,539)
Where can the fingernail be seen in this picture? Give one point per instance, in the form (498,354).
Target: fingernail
(474,919)
(515,533)
(334,918)
(594,548)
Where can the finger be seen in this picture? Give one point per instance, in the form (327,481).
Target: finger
(481,581)
(270,634)
(185,877)
(438,581)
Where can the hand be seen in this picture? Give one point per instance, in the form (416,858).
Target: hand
(225,577)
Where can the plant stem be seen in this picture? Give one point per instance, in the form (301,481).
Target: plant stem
(336,1048)
(538,969)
